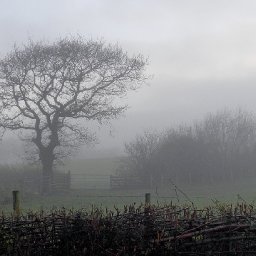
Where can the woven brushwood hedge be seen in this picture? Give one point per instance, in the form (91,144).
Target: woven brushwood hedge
(151,230)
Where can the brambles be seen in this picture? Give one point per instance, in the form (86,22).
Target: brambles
(133,231)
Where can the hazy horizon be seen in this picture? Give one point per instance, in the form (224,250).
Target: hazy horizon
(201,54)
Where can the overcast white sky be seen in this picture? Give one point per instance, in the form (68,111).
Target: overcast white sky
(202,53)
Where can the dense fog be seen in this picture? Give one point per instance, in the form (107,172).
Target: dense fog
(201,57)
(127,127)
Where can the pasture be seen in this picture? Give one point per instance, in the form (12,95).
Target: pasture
(190,219)
(86,199)
(90,187)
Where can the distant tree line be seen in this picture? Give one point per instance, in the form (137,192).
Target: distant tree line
(220,147)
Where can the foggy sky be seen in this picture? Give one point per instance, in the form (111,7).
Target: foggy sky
(202,54)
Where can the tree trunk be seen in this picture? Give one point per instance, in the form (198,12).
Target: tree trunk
(47,174)
(47,180)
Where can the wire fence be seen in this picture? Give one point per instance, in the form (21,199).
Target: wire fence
(79,190)
(80,180)
(98,190)
(90,181)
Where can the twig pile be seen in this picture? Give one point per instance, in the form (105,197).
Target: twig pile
(169,230)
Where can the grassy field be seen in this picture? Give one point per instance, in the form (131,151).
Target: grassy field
(199,195)
(86,193)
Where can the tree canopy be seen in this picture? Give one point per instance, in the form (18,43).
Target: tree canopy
(48,88)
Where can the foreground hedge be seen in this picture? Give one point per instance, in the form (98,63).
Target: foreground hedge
(169,230)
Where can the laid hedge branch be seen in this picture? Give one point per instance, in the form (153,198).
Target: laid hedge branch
(168,230)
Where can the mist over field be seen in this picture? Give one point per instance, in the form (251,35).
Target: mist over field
(201,57)
(127,127)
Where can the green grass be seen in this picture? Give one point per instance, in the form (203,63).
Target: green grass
(200,195)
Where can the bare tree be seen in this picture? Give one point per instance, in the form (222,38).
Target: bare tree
(141,153)
(230,137)
(47,89)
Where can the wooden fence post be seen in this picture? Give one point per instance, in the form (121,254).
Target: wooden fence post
(147,199)
(16,202)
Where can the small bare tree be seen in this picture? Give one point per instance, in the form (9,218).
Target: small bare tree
(141,156)
(46,89)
